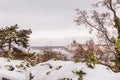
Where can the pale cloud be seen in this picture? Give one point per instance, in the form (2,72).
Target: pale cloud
(58,34)
(49,19)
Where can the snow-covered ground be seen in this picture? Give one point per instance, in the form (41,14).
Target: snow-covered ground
(54,70)
(13,69)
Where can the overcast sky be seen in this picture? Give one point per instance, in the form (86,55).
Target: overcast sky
(52,21)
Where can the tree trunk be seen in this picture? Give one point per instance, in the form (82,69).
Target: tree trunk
(9,47)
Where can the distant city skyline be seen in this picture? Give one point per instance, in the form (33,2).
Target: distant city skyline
(52,21)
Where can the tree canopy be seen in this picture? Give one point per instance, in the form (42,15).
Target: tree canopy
(12,36)
(101,22)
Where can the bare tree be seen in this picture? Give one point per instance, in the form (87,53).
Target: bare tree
(90,44)
(102,21)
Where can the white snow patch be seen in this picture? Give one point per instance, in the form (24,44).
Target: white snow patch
(55,70)
(42,71)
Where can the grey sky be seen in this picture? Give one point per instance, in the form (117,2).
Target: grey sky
(49,19)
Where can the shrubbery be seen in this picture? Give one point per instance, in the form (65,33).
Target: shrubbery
(49,54)
(65,79)
(91,60)
(80,74)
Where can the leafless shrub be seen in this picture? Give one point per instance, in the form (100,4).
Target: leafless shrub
(49,54)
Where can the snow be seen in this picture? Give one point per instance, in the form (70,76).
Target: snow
(11,75)
(100,72)
(15,74)
(55,70)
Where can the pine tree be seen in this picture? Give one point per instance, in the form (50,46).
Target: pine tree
(11,37)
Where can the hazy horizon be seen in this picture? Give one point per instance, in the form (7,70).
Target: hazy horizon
(51,21)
